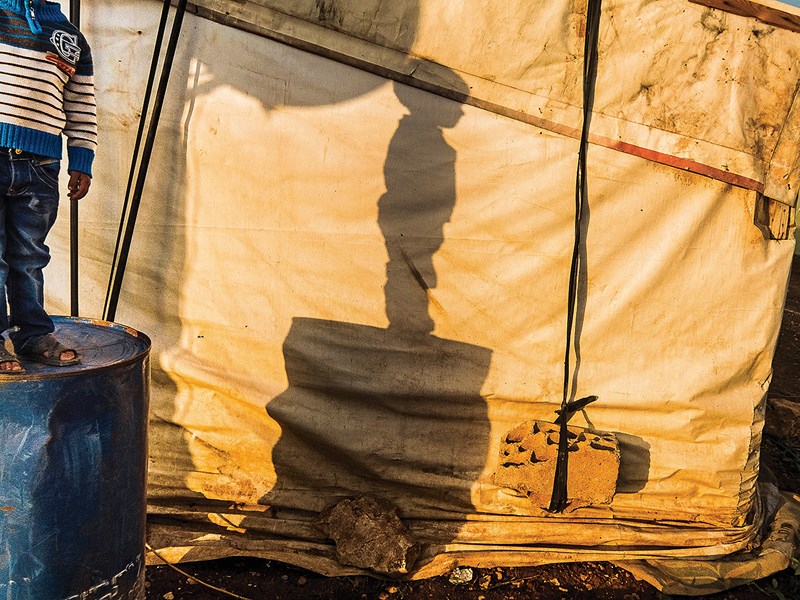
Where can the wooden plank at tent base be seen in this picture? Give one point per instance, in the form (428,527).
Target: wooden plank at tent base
(776,14)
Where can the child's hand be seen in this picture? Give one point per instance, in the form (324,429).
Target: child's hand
(78,185)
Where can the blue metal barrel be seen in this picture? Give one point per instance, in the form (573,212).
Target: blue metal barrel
(73,464)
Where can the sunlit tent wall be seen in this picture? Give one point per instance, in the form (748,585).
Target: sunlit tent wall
(357,284)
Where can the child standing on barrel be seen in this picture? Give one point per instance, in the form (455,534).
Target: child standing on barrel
(46,89)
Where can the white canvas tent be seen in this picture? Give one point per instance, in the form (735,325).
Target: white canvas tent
(353,258)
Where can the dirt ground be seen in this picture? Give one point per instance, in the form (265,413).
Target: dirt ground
(257,579)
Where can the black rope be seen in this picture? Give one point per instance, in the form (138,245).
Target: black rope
(162,25)
(121,256)
(558,500)
(75,19)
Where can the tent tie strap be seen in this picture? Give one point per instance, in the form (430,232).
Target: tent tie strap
(558,500)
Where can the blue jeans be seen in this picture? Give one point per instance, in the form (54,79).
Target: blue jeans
(28,207)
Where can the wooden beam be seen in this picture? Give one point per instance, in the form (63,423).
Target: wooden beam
(777,14)
(775,220)
(254,17)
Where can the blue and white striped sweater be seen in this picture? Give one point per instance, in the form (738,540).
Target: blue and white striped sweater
(46,84)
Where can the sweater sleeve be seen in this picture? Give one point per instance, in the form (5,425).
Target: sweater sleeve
(81,114)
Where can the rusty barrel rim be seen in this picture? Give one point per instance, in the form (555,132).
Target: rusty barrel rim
(38,372)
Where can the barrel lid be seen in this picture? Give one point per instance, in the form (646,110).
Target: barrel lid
(100,344)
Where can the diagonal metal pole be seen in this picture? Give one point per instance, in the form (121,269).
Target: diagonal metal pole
(75,18)
(147,152)
(162,25)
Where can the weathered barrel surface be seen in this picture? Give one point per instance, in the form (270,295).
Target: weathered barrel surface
(73,463)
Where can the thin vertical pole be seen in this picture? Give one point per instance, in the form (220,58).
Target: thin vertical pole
(75,18)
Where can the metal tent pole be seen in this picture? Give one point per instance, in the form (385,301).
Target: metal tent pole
(75,18)
(162,25)
(119,271)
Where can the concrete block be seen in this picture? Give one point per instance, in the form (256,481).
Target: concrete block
(528,463)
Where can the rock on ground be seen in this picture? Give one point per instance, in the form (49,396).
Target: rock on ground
(369,534)
(783,419)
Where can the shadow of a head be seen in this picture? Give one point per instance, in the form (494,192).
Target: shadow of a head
(440,114)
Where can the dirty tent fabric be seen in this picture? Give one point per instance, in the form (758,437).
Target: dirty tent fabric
(353,257)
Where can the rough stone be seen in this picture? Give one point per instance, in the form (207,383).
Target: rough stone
(783,419)
(369,534)
(528,463)
(461,576)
